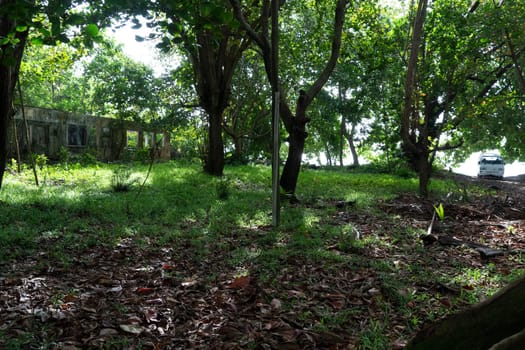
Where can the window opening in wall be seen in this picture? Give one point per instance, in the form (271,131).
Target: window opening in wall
(148,139)
(76,135)
(132,138)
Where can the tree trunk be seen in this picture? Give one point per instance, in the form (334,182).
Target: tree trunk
(424,170)
(296,139)
(350,139)
(10,58)
(410,116)
(214,164)
(496,323)
(341,140)
(6,110)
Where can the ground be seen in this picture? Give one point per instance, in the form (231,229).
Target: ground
(139,295)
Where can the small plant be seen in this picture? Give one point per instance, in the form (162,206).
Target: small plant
(40,160)
(440,211)
(121,180)
(64,156)
(223,189)
(14,165)
(88,157)
(374,337)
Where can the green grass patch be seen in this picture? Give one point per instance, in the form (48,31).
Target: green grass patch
(221,227)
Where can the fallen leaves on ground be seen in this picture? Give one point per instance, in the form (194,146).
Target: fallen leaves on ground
(160,297)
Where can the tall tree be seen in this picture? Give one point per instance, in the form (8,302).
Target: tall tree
(121,87)
(295,123)
(247,122)
(15,17)
(454,66)
(47,77)
(207,34)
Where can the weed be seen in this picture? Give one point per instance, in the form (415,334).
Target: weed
(223,189)
(374,337)
(440,211)
(122,181)
(23,341)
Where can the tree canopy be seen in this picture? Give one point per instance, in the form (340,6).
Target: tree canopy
(406,85)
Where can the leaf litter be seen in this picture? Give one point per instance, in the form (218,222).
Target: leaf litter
(161,297)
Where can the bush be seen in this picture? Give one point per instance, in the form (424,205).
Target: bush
(121,180)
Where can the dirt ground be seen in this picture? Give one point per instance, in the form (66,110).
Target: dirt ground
(130,297)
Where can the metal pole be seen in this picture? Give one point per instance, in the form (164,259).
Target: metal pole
(276,207)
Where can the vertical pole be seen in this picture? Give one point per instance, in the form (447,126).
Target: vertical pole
(276,207)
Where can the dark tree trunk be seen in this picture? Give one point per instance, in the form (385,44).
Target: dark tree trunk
(496,323)
(214,164)
(353,151)
(350,139)
(296,139)
(6,103)
(10,58)
(424,170)
(214,60)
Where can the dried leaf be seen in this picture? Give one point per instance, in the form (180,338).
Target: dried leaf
(150,315)
(132,328)
(240,282)
(116,289)
(107,332)
(275,304)
(167,267)
(69,298)
(445,302)
(189,283)
(144,290)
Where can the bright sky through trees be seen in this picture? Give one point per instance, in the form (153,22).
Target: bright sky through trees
(146,52)
(141,51)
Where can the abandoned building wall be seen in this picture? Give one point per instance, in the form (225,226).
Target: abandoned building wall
(49,130)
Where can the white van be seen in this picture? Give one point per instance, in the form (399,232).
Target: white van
(491,164)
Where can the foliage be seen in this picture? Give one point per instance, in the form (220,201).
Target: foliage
(440,211)
(48,79)
(247,121)
(122,179)
(121,87)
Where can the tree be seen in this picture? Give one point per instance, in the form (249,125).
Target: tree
(454,66)
(247,121)
(497,120)
(208,36)
(48,79)
(324,132)
(295,123)
(121,87)
(14,19)
(367,78)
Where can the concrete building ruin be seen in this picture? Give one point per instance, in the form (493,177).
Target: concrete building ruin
(108,139)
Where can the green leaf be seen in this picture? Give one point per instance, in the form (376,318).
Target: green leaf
(139,38)
(37,41)
(92,30)
(21,28)
(206,10)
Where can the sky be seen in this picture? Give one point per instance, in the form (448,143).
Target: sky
(144,51)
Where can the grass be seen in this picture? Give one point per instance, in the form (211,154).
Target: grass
(226,223)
